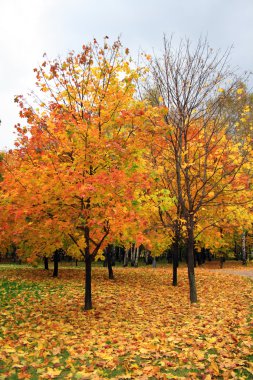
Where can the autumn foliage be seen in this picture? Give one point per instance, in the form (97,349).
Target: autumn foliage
(154,159)
(99,163)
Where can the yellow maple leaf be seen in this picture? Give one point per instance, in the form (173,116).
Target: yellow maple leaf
(84,375)
(53,372)
(214,367)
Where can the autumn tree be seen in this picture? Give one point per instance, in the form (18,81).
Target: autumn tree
(73,165)
(201,161)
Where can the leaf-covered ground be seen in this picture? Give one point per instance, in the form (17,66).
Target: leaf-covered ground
(140,328)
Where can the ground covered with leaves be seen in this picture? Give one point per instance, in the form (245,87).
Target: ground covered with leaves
(140,328)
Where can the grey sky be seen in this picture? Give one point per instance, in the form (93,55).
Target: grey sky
(28,28)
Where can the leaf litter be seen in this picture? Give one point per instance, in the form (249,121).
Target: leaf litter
(141,327)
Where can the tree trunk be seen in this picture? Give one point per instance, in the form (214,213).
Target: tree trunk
(175,261)
(244,254)
(222,261)
(88,260)
(132,254)
(88,300)
(56,261)
(109,261)
(175,254)
(146,257)
(105,262)
(46,263)
(190,256)
(154,262)
(126,257)
(137,257)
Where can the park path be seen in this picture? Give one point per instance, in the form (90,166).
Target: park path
(237,272)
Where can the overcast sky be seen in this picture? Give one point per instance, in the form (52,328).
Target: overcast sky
(28,28)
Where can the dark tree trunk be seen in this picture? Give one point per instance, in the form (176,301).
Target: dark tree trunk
(88,300)
(175,254)
(46,263)
(109,262)
(56,261)
(175,261)
(198,258)
(76,262)
(113,255)
(222,261)
(203,255)
(88,260)
(190,255)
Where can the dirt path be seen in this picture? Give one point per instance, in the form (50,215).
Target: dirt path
(237,272)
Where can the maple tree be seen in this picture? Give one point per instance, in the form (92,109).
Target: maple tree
(72,168)
(6,222)
(202,163)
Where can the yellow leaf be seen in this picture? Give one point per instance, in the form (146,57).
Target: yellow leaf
(84,375)
(215,368)
(54,372)
(199,354)
(134,366)
(56,350)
